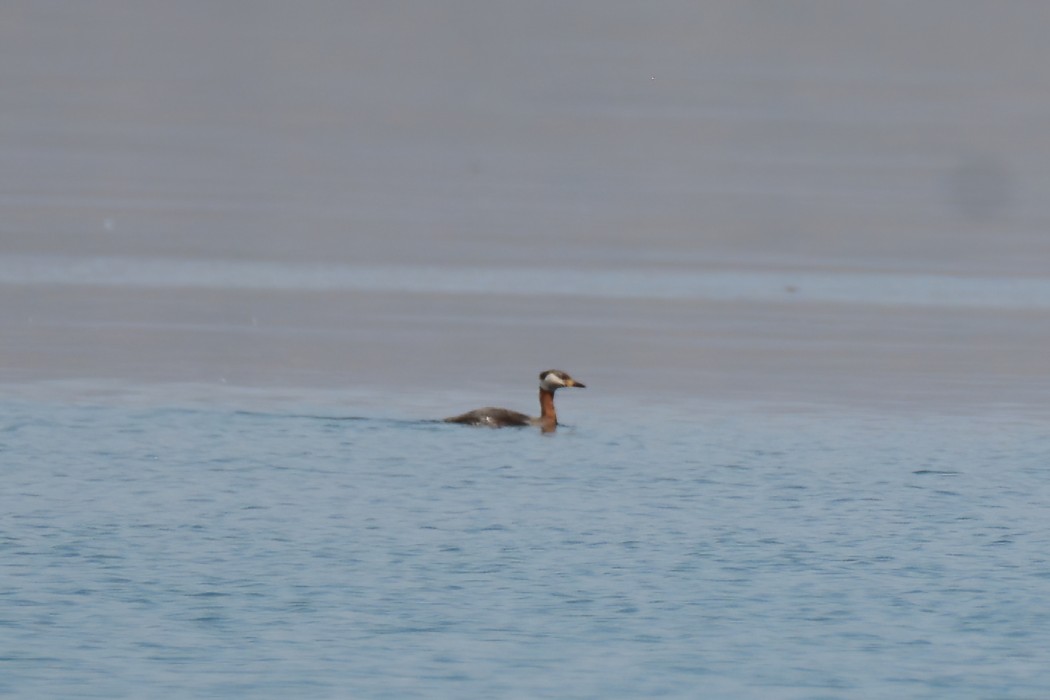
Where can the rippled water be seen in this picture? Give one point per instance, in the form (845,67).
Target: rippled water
(247,256)
(746,552)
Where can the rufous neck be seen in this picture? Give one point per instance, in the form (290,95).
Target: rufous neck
(547,413)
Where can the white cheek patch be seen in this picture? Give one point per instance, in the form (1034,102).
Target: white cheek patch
(553,380)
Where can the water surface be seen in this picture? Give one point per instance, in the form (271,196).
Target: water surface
(158,552)
(797,252)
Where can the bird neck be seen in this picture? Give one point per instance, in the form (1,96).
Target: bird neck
(548,417)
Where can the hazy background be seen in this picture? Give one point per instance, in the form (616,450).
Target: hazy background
(761,200)
(796,250)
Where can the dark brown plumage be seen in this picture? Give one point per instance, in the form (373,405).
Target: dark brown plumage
(550,381)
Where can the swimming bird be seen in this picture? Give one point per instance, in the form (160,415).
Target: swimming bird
(550,381)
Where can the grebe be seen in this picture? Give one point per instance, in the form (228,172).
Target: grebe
(550,381)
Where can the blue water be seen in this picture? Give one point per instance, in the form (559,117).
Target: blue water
(747,551)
